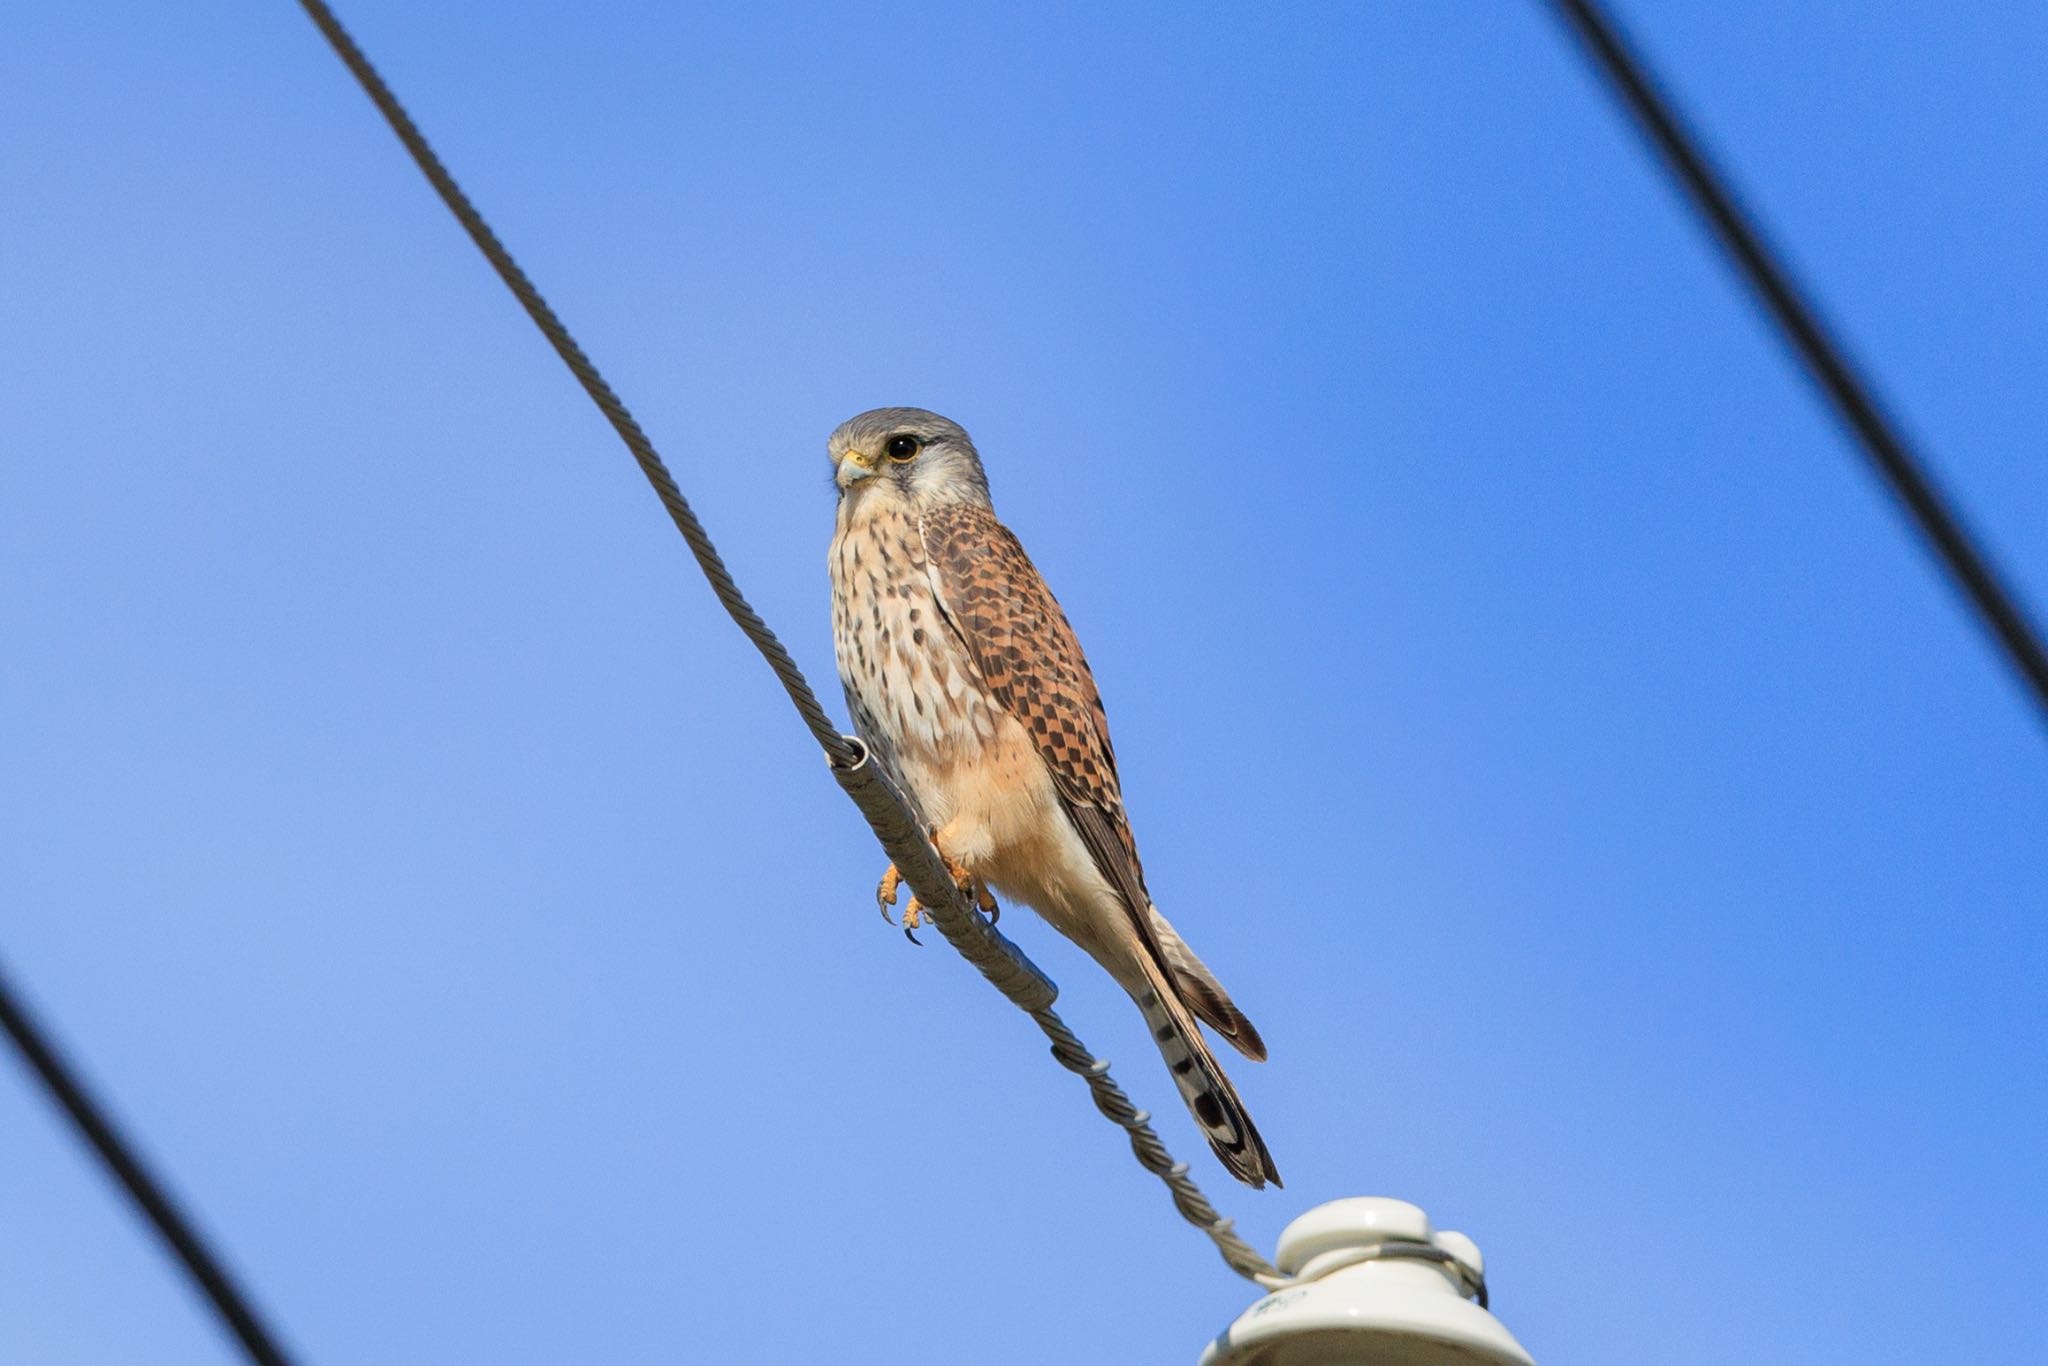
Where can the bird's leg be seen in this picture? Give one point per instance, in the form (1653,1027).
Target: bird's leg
(885,891)
(972,887)
(885,897)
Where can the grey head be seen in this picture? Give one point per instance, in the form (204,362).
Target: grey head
(906,454)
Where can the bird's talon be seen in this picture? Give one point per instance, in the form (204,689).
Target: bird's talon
(885,891)
(955,869)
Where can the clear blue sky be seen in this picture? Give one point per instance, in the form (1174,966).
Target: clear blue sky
(1526,701)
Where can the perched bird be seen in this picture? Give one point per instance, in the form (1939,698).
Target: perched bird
(968,686)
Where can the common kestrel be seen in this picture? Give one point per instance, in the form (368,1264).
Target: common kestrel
(968,686)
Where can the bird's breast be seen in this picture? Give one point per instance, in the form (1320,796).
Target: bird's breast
(923,707)
(906,674)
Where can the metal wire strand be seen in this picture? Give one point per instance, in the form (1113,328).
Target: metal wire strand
(1854,400)
(623,422)
(888,815)
(1151,1153)
(230,1302)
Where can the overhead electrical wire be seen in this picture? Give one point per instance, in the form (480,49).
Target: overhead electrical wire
(1853,397)
(231,1303)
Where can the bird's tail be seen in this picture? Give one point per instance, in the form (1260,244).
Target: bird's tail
(1203,993)
(1209,1095)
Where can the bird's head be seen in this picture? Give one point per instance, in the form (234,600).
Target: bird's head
(906,454)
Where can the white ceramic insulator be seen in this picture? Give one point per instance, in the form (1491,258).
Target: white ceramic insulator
(1387,1311)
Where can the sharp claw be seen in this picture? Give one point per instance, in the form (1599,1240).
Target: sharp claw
(972,887)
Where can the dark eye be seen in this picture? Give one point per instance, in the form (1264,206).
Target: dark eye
(903,447)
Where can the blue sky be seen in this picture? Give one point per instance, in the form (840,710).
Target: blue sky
(1526,702)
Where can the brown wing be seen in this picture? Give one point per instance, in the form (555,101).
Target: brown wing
(1014,630)
(992,598)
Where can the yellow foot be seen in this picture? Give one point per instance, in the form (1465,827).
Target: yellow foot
(885,891)
(885,897)
(914,912)
(972,887)
(962,879)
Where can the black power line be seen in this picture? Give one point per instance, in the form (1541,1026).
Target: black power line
(119,1155)
(1822,355)
(1853,399)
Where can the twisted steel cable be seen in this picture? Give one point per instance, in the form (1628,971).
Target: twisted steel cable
(615,412)
(1152,1155)
(1002,962)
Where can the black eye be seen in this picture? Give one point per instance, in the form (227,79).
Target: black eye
(903,447)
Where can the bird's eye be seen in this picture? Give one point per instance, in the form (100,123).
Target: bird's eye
(903,447)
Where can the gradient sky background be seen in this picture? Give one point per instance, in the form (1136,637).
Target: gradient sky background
(1526,700)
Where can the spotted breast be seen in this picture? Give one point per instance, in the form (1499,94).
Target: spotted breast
(915,695)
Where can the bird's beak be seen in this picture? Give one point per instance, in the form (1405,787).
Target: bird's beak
(854,466)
